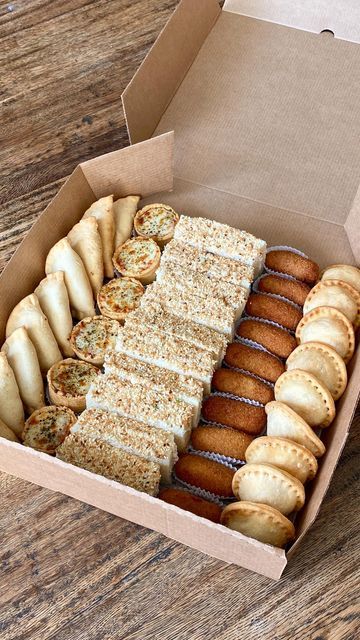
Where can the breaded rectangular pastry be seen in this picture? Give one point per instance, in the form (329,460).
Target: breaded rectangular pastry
(208,264)
(113,463)
(181,387)
(223,240)
(153,315)
(210,312)
(167,351)
(179,278)
(156,409)
(134,437)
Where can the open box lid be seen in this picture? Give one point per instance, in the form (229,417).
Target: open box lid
(262,112)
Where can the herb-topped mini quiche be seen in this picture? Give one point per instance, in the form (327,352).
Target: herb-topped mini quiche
(138,258)
(119,297)
(69,381)
(92,338)
(157,221)
(47,428)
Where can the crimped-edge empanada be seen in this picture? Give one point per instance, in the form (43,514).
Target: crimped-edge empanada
(22,357)
(323,362)
(345,273)
(54,302)
(269,485)
(85,239)
(62,257)
(11,408)
(337,294)
(330,326)
(280,452)
(258,521)
(28,314)
(102,210)
(124,213)
(284,422)
(305,394)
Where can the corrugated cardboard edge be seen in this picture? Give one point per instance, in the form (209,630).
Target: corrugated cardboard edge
(215,540)
(162,71)
(340,17)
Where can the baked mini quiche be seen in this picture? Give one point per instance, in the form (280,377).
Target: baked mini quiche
(157,221)
(119,297)
(92,338)
(69,381)
(138,258)
(47,428)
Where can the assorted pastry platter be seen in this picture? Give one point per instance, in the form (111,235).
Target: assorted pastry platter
(181,357)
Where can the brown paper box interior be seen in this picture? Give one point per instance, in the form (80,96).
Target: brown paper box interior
(209,182)
(266,120)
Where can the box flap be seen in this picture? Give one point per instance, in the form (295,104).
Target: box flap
(265,112)
(154,84)
(145,167)
(342,17)
(198,533)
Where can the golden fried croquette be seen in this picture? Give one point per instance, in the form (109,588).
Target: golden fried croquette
(293,264)
(279,341)
(254,360)
(293,290)
(242,385)
(205,474)
(226,442)
(261,305)
(187,501)
(234,413)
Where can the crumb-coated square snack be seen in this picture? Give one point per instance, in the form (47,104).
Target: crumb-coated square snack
(277,340)
(234,413)
(256,361)
(242,385)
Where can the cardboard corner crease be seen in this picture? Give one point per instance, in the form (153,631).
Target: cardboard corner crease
(244,154)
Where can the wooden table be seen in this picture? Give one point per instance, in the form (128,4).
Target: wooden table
(70,571)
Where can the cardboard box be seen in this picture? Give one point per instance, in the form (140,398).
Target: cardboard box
(266,119)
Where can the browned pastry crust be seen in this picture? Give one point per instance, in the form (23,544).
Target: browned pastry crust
(293,290)
(261,305)
(187,501)
(293,265)
(279,341)
(205,474)
(234,413)
(226,442)
(253,360)
(242,385)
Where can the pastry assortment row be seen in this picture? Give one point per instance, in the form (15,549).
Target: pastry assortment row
(157,351)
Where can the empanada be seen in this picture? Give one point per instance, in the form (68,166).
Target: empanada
(286,423)
(323,362)
(85,239)
(7,433)
(305,394)
(54,302)
(28,314)
(330,326)
(337,294)
(62,257)
(124,213)
(269,485)
(280,452)
(11,408)
(345,273)
(102,210)
(258,521)
(22,357)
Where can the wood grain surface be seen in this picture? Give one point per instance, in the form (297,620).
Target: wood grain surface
(69,571)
